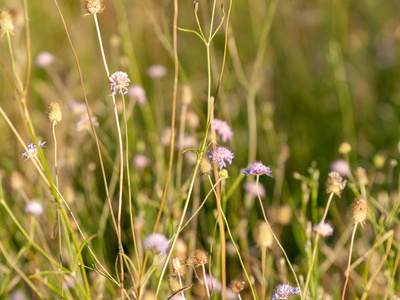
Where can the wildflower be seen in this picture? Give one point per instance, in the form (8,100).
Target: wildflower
(257,168)
(32,149)
(236,286)
(76,107)
(323,229)
(141,161)
(156,71)
(284,214)
(223,129)
(251,188)
(341,166)
(379,161)
(192,119)
(83,122)
(34,208)
(223,173)
(361,176)
(137,92)
(6,24)
(359,211)
(335,183)
(344,148)
(284,290)
(156,242)
(221,155)
(199,258)
(94,6)
(205,166)
(119,82)
(263,235)
(54,113)
(43,59)
(178,268)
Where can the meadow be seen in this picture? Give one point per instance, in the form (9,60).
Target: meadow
(207,150)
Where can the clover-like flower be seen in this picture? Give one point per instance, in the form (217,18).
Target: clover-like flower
(221,155)
(323,229)
(284,290)
(119,82)
(257,168)
(156,242)
(32,149)
(223,129)
(335,183)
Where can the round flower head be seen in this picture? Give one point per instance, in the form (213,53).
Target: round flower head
(284,290)
(156,242)
(34,208)
(257,168)
(6,24)
(141,161)
(223,129)
(94,6)
(341,166)
(54,113)
(119,82)
(323,229)
(199,258)
(221,155)
(32,149)
(236,286)
(263,235)
(359,211)
(251,188)
(137,92)
(156,71)
(335,183)
(44,59)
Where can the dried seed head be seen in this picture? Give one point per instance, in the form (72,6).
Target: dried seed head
(335,183)
(177,267)
(205,166)
(6,24)
(263,235)
(54,112)
(359,211)
(173,283)
(199,258)
(236,286)
(94,6)
(361,176)
(344,148)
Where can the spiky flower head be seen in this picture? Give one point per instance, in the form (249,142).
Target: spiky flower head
(221,155)
(32,149)
(263,235)
(359,211)
(205,165)
(6,24)
(258,168)
(94,6)
(284,290)
(33,207)
(323,229)
(223,129)
(119,82)
(236,286)
(156,242)
(335,183)
(178,268)
(54,113)
(199,258)
(251,188)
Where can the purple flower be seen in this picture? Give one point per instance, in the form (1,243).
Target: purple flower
(221,155)
(141,161)
(32,149)
(251,188)
(257,168)
(119,82)
(138,92)
(156,242)
(223,129)
(284,290)
(323,229)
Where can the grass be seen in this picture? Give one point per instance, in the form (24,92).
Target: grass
(301,85)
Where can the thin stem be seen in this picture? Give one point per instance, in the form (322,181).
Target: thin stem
(347,273)
(203,267)
(263,274)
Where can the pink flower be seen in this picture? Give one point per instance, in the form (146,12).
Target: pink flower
(221,155)
(223,129)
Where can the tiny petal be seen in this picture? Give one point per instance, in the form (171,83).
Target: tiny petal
(156,242)
(221,155)
(119,81)
(323,229)
(223,129)
(258,168)
(284,290)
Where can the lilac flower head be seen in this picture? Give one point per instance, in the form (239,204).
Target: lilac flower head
(284,290)
(34,208)
(137,92)
(156,242)
(156,71)
(223,129)
(251,188)
(221,155)
(44,59)
(119,81)
(323,229)
(257,168)
(141,161)
(32,149)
